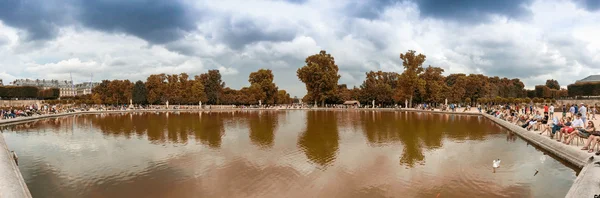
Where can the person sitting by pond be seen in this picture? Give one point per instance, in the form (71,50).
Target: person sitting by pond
(577,125)
(523,118)
(594,136)
(556,126)
(566,129)
(532,121)
(542,125)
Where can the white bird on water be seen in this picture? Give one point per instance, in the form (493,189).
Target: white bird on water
(496,163)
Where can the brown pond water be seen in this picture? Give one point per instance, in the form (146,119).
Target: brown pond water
(281,154)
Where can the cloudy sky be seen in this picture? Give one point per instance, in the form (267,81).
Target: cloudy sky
(113,39)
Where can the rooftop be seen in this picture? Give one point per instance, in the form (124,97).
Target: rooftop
(592,78)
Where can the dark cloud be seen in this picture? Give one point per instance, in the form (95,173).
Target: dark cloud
(38,18)
(237,33)
(472,10)
(591,5)
(155,21)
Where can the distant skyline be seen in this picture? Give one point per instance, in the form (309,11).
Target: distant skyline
(533,40)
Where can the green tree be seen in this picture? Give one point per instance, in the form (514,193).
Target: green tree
(409,80)
(320,75)
(139,93)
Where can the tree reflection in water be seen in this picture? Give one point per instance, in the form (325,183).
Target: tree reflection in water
(159,128)
(320,139)
(418,131)
(262,126)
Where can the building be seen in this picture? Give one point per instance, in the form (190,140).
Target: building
(592,78)
(85,88)
(1,83)
(66,87)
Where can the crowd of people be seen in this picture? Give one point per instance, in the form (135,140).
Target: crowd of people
(575,121)
(11,112)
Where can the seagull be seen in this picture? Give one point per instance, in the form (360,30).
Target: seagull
(496,163)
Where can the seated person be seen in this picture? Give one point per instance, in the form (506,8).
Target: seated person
(542,123)
(566,129)
(577,125)
(592,139)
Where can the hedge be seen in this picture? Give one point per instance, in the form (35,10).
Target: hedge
(28,92)
(584,89)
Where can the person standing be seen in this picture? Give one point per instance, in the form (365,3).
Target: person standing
(551,110)
(531,108)
(594,109)
(564,111)
(572,111)
(583,112)
(546,108)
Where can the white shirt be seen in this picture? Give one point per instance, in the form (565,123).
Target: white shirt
(552,108)
(577,123)
(583,111)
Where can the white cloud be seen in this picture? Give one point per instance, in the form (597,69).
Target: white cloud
(228,71)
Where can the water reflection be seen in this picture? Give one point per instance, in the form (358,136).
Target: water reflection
(262,127)
(319,141)
(353,153)
(158,128)
(418,131)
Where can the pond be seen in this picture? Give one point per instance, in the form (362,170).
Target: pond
(293,153)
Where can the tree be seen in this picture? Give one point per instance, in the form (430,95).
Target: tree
(263,79)
(552,84)
(409,80)
(542,91)
(283,97)
(434,84)
(343,94)
(379,86)
(213,85)
(320,75)
(456,87)
(139,93)
(197,93)
(157,87)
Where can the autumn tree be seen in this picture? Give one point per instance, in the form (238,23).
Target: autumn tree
(196,91)
(113,92)
(552,84)
(379,86)
(101,91)
(343,94)
(263,80)
(456,87)
(213,85)
(542,91)
(434,84)
(156,85)
(409,80)
(477,86)
(283,97)
(139,93)
(320,75)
